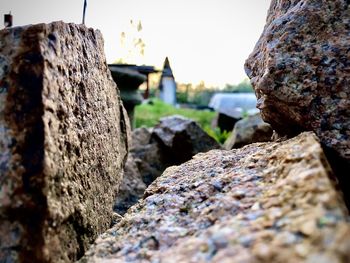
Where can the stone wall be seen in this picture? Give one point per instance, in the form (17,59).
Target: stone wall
(63,142)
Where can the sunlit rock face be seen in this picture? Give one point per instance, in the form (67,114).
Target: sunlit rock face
(300,70)
(265,202)
(63,142)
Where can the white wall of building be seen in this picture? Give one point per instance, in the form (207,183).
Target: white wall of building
(168,91)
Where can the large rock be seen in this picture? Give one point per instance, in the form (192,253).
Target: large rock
(249,130)
(63,142)
(182,138)
(265,202)
(140,137)
(300,70)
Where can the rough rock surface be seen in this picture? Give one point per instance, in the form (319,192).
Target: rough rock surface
(63,142)
(265,202)
(249,130)
(300,70)
(182,138)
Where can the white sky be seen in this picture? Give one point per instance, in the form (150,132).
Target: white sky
(205,40)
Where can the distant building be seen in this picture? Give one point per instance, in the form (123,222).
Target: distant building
(167,84)
(235,105)
(232,107)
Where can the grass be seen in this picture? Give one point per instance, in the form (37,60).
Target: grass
(149,115)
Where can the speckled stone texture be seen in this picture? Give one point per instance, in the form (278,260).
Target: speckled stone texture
(300,70)
(265,202)
(63,142)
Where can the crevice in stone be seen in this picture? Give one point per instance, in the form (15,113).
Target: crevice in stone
(341,169)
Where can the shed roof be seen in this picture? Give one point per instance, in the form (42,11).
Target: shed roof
(167,72)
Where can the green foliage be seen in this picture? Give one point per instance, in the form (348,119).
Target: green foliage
(218,135)
(182,97)
(149,115)
(132,44)
(202,98)
(200,94)
(244,86)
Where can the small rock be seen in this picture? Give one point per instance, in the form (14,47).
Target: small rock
(249,130)
(182,138)
(308,228)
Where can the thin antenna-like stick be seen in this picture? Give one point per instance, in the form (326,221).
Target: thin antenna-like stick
(84,10)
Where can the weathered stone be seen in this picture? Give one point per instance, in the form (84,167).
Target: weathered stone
(63,142)
(249,130)
(182,138)
(131,188)
(300,70)
(265,202)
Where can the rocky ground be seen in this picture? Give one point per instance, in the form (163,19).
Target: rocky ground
(64,138)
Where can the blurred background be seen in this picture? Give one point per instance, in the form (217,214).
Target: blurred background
(205,42)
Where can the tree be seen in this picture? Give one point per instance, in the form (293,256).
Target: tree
(133,46)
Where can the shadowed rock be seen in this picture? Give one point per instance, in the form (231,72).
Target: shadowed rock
(182,138)
(147,154)
(63,142)
(131,188)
